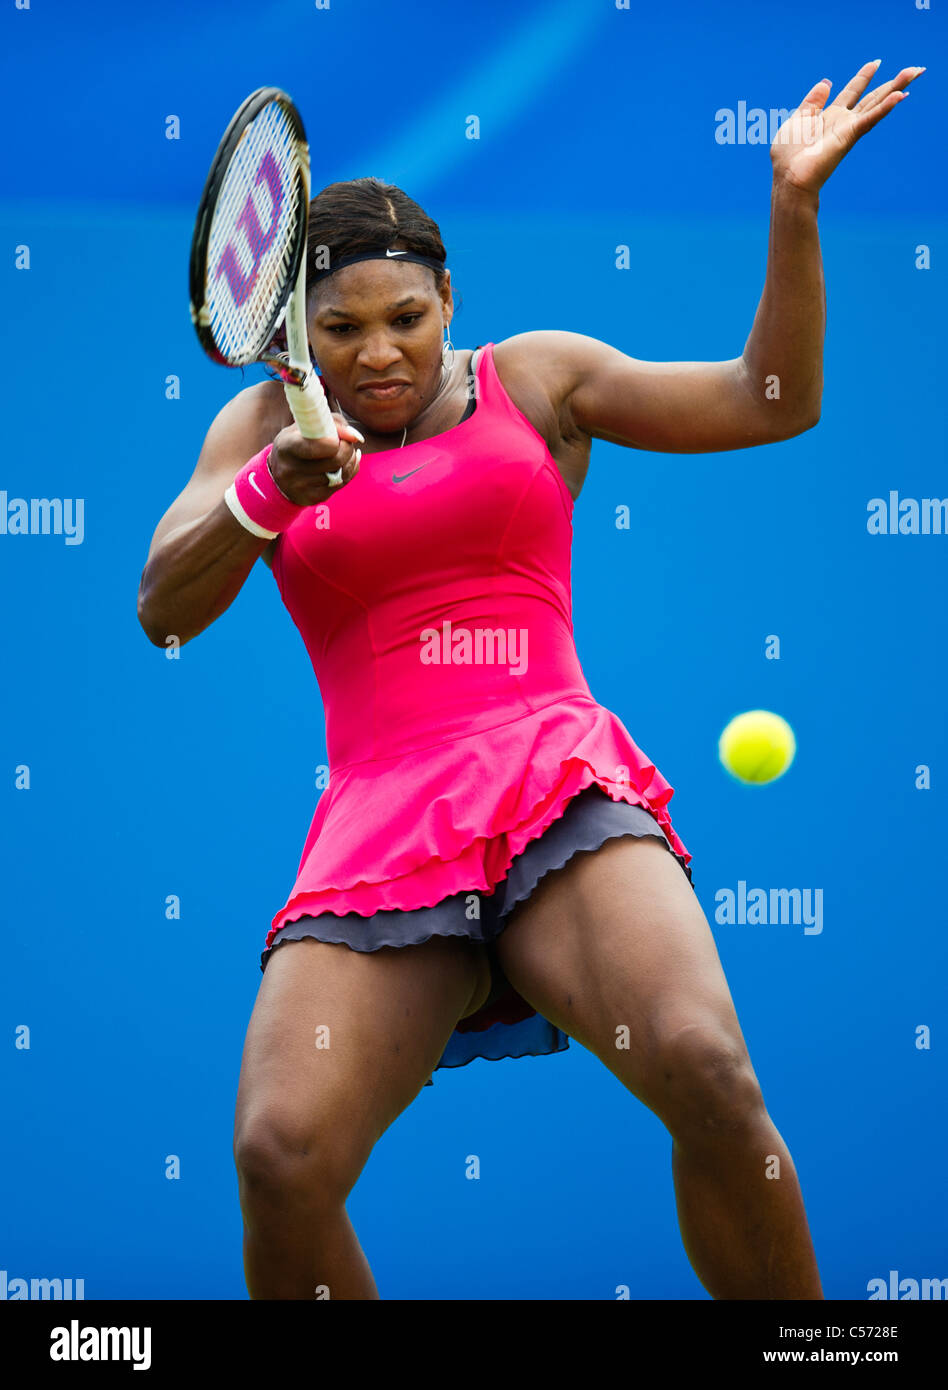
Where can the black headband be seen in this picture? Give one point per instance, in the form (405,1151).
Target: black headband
(383,254)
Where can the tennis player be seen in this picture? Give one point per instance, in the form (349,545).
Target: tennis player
(482,808)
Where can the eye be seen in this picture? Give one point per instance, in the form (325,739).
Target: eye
(406,320)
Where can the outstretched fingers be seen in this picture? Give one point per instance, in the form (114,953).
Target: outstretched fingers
(856,85)
(865,120)
(884,99)
(879,94)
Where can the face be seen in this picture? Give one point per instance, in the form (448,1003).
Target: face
(376,322)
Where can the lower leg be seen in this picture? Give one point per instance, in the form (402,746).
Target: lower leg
(745,1232)
(291,1252)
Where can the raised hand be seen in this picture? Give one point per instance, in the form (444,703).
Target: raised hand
(814,138)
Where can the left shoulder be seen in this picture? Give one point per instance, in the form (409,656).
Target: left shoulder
(539,371)
(553,356)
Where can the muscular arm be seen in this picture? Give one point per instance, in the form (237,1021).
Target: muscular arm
(703,407)
(200,555)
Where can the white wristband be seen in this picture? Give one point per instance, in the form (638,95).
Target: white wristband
(233,501)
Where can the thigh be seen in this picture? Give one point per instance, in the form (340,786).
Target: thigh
(341,1041)
(615,950)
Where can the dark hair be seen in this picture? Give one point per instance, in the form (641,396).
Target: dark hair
(365,215)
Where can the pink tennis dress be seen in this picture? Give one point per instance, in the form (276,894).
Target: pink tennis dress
(436,609)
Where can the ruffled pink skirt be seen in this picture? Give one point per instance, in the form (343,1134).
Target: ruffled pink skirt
(408,831)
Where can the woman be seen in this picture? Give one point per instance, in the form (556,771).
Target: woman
(482,808)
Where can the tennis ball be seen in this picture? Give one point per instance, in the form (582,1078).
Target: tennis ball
(757,746)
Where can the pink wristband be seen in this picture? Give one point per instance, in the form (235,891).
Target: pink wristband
(257,502)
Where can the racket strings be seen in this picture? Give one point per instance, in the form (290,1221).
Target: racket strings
(254,236)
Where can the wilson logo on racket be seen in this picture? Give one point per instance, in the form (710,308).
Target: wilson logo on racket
(257,239)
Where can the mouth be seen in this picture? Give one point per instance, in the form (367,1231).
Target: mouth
(383,390)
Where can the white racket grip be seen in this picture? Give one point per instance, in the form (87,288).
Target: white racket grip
(311,412)
(311,409)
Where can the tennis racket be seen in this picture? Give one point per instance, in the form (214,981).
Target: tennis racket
(248,254)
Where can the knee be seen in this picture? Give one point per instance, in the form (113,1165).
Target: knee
(278,1160)
(706,1084)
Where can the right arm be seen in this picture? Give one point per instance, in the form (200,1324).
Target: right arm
(200,554)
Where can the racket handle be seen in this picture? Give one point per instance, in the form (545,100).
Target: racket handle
(311,412)
(311,409)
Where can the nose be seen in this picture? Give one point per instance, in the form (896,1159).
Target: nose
(378,353)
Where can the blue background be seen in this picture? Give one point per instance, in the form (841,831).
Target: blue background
(597,128)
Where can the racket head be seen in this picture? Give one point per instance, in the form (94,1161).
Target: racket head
(250,230)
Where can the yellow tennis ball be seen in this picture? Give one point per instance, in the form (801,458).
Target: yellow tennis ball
(757,746)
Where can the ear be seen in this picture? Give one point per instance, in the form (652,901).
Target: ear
(447,297)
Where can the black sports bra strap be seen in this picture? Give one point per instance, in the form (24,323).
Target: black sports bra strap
(471,386)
